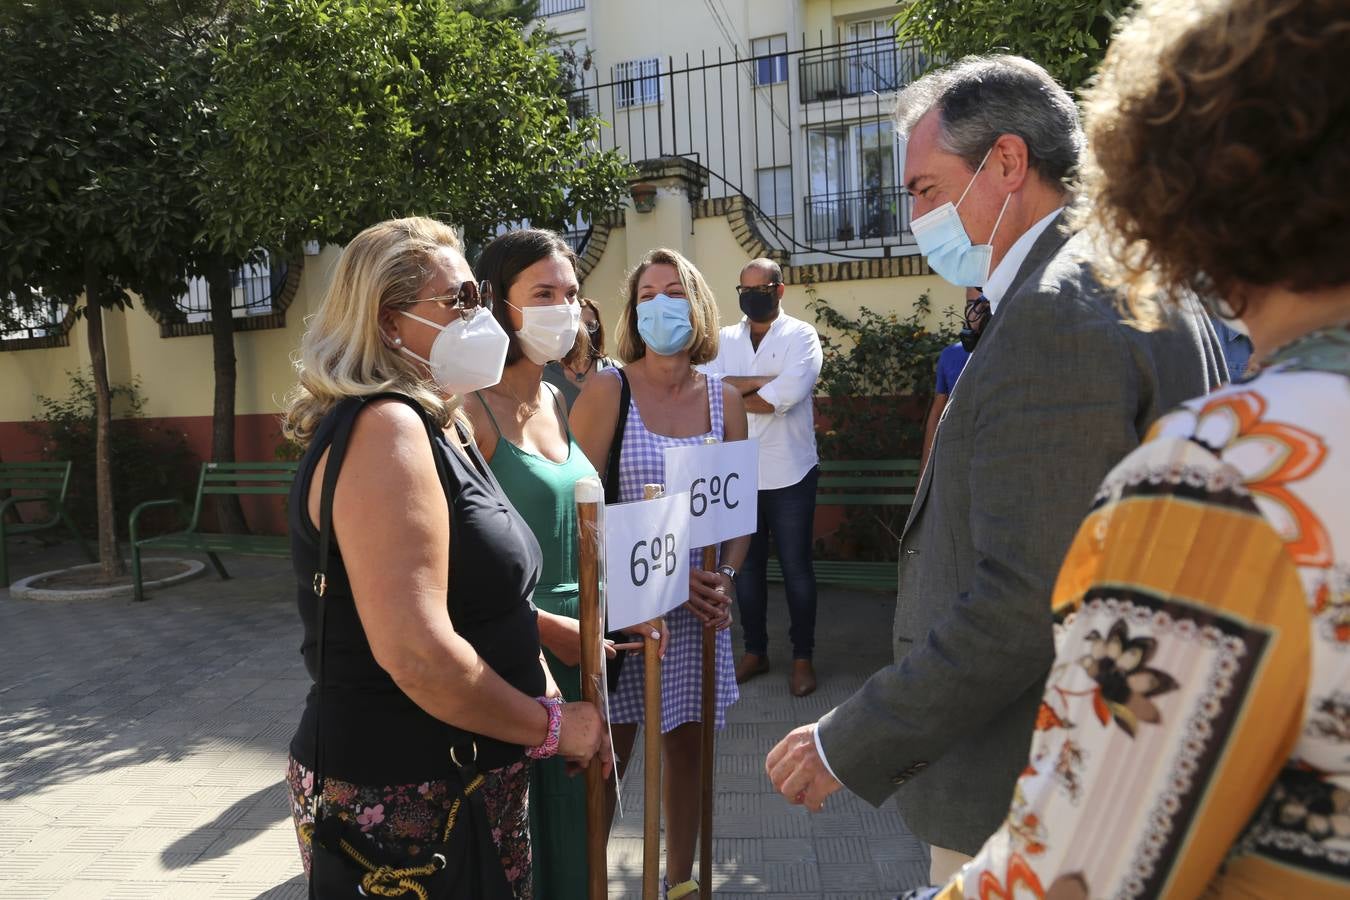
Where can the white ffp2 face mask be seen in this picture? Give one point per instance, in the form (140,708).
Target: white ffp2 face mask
(468,354)
(548,332)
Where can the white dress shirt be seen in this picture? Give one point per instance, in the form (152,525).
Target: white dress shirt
(790,351)
(996,285)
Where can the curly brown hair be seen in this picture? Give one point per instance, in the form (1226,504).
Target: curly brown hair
(1219,149)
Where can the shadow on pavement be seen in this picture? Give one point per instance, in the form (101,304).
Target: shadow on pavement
(203,680)
(236,825)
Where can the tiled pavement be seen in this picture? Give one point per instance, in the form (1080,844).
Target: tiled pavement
(142,747)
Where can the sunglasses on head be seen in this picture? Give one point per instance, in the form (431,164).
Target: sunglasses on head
(757,288)
(469,295)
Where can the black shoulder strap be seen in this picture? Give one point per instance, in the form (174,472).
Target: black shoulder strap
(616,444)
(337,449)
(347,411)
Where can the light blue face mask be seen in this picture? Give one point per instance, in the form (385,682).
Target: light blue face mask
(943,240)
(663,324)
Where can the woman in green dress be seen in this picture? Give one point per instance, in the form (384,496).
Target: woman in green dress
(520,425)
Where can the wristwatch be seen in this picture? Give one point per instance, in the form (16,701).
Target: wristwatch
(729,571)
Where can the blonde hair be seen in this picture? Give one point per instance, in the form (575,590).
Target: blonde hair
(702,305)
(343,353)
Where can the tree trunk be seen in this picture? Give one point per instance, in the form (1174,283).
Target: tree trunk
(229,514)
(108,555)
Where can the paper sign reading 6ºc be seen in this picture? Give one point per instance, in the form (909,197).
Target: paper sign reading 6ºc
(723,485)
(646,559)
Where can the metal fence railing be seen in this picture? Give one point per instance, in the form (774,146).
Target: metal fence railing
(45,319)
(863,215)
(803,134)
(254,287)
(865,67)
(557,7)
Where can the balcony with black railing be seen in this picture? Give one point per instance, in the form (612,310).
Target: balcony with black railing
(877,215)
(558,7)
(732,119)
(859,68)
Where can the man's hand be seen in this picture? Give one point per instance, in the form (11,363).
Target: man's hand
(747,384)
(798,772)
(754,403)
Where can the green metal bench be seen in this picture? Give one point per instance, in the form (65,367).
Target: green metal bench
(246,479)
(870,482)
(35,482)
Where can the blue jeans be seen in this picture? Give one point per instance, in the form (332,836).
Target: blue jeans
(788,514)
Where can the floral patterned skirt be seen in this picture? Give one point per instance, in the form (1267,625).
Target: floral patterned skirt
(406,813)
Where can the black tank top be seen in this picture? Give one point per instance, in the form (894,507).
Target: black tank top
(373,733)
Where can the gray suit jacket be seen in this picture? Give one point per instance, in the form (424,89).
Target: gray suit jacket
(1057,392)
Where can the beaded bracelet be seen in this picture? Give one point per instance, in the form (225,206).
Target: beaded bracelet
(549,747)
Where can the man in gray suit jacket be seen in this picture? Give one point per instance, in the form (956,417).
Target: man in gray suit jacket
(1057,391)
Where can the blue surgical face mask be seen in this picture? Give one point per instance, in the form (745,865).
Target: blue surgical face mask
(943,240)
(663,324)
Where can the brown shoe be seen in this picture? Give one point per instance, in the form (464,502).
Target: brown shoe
(802,681)
(751,664)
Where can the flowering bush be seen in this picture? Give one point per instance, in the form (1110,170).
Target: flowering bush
(878,377)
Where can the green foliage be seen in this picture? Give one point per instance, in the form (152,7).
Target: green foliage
(878,376)
(92,157)
(1067,37)
(288,450)
(877,370)
(148,462)
(341,113)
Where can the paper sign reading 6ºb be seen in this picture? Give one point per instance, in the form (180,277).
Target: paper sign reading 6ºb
(723,484)
(646,559)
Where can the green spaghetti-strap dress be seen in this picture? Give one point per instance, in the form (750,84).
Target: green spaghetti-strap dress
(542,492)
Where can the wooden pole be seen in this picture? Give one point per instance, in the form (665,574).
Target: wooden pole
(590,494)
(707,759)
(651,753)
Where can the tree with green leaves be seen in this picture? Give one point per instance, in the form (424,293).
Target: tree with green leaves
(1067,37)
(345,112)
(93,183)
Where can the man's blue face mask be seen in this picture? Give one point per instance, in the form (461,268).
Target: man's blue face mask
(943,240)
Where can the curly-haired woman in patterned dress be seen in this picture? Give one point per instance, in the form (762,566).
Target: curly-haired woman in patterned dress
(668,325)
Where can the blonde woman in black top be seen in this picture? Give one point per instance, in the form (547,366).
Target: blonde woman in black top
(431,634)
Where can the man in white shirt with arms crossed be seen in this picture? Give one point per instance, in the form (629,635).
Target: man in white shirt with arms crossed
(774,359)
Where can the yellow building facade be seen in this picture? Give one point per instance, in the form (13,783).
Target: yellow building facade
(825,200)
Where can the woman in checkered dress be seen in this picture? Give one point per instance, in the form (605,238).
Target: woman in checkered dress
(668,325)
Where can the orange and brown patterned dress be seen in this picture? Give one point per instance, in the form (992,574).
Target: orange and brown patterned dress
(1194,734)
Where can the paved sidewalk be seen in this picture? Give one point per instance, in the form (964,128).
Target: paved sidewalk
(142,748)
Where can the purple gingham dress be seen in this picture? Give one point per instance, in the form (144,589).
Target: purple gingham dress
(642,461)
